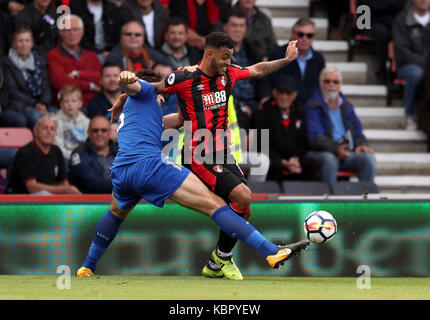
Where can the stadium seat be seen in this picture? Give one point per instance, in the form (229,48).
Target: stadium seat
(395,82)
(268,186)
(305,187)
(354,188)
(15,137)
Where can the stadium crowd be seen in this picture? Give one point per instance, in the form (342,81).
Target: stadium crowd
(59,80)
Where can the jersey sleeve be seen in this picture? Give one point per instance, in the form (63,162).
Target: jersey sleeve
(173,83)
(146,89)
(238,73)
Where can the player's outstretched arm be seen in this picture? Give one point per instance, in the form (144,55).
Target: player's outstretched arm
(263,69)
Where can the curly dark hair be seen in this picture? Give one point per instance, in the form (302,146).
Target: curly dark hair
(219,40)
(148,75)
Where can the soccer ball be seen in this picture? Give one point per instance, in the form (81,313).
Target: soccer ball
(320,227)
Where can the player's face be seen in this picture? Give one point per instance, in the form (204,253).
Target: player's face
(98,132)
(236,28)
(304,36)
(176,36)
(108,80)
(330,86)
(221,59)
(44,133)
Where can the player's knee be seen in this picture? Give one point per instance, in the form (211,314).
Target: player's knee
(242,197)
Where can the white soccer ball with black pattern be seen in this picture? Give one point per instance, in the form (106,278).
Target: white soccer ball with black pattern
(320,227)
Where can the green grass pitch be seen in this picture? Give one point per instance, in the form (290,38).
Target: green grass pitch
(197,288)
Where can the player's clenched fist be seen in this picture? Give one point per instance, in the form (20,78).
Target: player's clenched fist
(127,77)
(292,52)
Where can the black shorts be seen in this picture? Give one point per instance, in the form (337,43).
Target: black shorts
(219,178)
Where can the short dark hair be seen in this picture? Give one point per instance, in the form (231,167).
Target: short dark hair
(303,22)
(233,12)
(110,64)
(148,75)
(21,29)
(219,40)
(175,21)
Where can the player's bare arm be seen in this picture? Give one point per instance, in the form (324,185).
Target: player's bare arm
(263,69)
(173,121)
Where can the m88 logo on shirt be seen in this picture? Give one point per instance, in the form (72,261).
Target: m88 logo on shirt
(212,98)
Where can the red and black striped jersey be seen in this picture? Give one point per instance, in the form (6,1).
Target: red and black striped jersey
(203,101)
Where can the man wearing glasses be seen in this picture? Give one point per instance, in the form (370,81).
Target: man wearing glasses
(335,134)
(90,162)
(132,53)
(308,65)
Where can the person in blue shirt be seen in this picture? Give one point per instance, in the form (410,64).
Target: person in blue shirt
(334,132)
(141,171)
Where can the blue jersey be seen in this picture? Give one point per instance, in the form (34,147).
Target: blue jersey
(140,127)
(139,169)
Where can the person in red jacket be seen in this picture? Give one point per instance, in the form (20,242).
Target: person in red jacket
(70,64)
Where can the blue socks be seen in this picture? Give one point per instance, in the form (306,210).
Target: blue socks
(236,226)
(106,231)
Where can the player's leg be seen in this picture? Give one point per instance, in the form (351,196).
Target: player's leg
(193,194)
(106,230)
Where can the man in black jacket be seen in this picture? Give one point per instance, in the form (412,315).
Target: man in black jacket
(286,122)
(308,65)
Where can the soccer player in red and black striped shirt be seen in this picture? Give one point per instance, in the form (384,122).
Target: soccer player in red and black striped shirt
(203,100)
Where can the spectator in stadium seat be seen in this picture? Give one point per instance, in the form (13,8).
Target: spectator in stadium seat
(132,53)
(27,81)
(72,124)
(90,163)
(411,31)
(70,64)
(175,47)
(383,14)
(248,94)
(41,17)
(102,20)
(334,132)
(308,65)
(260,31)
(109,92)
(152,15)
(38,167)
(286,122)
(201,16)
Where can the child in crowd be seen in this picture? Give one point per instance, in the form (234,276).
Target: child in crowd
(72,124)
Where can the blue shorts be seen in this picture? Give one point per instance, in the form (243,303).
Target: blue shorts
(153,179)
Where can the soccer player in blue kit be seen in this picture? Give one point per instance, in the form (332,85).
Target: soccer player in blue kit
(141,171)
